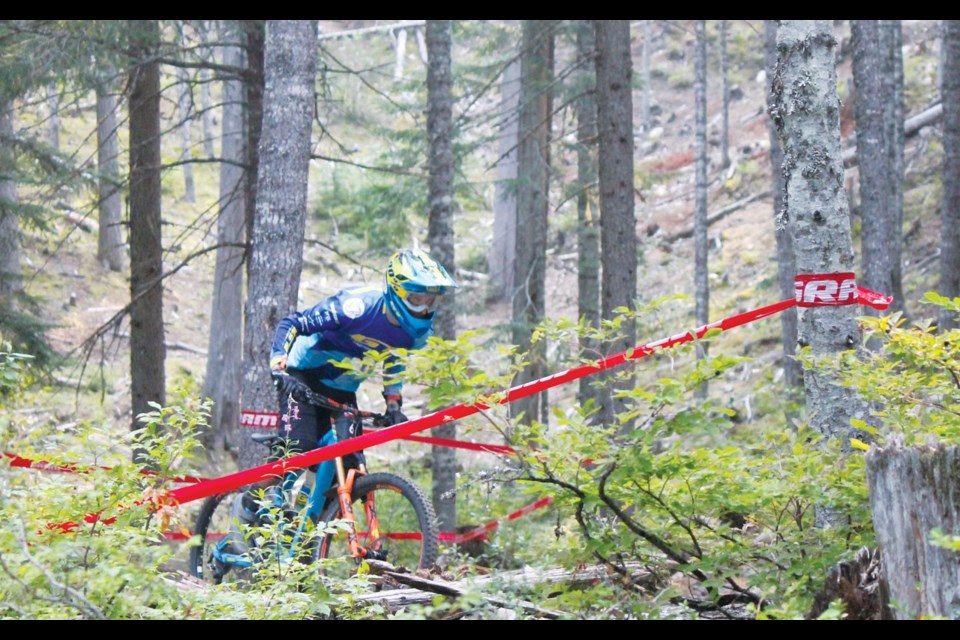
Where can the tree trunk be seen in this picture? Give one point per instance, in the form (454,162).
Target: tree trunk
(724,99)
(618,233)
(700,241)
(11,276)
(913,490)
(807,113)
(588,210)
(891,43)
(645,70)
(533,162)
(147,346)
(254,31)
(441,239)
(879,227)
(184,110)
(53,121)
(206,109)
(111,251)
(786,267)
(222,381)
(503,248)
(950,207)
(276,246)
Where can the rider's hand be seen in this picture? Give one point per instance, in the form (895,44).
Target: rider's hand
(394,415)
(278,363)
(287,384)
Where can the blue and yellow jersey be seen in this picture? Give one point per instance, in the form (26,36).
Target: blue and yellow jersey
(343,326)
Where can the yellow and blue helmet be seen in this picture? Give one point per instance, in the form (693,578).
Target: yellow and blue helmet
(415,282)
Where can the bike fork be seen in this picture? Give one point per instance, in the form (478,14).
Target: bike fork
(344,493)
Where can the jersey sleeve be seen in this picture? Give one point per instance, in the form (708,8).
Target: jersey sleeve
(324,316)
(394,367)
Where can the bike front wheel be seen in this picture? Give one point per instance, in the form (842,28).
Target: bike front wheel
(394,522)
(214,559)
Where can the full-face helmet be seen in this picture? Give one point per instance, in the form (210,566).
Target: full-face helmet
(415,282)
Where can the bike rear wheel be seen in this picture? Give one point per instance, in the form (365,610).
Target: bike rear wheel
(213,525)
(408,533)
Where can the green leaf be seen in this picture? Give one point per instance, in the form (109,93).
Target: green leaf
(859,444)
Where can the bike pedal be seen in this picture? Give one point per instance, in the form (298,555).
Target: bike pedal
(376,555)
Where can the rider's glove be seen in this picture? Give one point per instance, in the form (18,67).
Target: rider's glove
(278,363)
(394,415)
(287,384)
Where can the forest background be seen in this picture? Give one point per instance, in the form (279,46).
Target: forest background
(367,195)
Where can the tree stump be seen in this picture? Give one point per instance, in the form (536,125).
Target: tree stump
(914,490)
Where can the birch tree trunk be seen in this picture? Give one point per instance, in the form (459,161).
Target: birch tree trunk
(111,251)
(783,234)
(276,245)
(618,225)
(222,380)
(440,207)
(807,115)
(147,339)
(700,241)
(914,490)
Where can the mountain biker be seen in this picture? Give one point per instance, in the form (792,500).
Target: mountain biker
(308,346)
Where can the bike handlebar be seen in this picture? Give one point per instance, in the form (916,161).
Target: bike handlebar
(306,394)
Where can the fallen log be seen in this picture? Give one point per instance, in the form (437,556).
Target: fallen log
(911,126)
(422,593)
(687,232)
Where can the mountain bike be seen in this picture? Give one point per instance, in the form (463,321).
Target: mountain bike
(339,514)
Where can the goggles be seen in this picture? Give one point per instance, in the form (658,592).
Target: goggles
(420,302)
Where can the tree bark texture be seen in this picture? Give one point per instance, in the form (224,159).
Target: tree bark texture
(533,163)
(783,234)
(276,246)
(147,340)
(588,209)
(222,381)
(878,244)
(184,111)
(724,97)
(807,115)
(950,207)
(645,70)
(254,84)
(503,248)
(11,276)
(914,490)
(618,236)
(441,239)
(111,250)
(700,242)
(891,43)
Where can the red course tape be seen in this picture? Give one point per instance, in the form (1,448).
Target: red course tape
(811,290)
